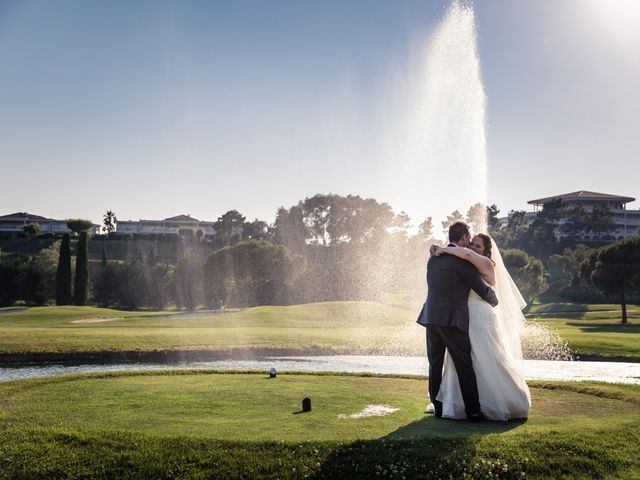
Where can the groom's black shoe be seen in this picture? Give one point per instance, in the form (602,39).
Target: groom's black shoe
(476,417)
(437,409)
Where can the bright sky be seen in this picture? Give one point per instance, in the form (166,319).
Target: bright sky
(155,108)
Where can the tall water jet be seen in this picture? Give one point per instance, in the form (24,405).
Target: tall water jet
(447,165)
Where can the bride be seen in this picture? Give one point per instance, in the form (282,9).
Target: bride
(495,336)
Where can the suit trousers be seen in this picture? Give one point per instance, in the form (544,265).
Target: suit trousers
(439,340)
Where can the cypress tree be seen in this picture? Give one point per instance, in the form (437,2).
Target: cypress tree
(103,263)
(63,274)
(81,284)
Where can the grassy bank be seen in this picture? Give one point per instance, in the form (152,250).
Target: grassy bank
(201,425)
(593,330)
(331,327)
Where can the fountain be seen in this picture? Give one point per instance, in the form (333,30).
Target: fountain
(445,166)
(541,343)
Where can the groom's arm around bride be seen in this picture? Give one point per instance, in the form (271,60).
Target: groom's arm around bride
(450,279)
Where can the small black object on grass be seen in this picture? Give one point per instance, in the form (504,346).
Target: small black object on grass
(272,373)
(306,404)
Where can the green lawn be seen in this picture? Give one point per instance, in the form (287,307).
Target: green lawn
(345,327)
(198,424)
(331,327)
(580,310)
(593,330)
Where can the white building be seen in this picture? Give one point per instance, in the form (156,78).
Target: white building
(168,226)
(627,222)
(15,222)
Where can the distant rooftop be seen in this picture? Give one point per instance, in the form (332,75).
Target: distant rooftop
(584,196)
(181,218)
(22,216)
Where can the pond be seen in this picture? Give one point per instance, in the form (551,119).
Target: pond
(533,369)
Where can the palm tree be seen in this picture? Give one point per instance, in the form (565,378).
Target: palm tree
(109,221)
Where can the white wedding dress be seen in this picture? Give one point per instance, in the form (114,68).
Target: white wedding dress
(496,353)
(503,392)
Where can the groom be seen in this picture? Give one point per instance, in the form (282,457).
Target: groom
(446,316)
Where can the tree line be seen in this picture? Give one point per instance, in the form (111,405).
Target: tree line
(556,227)
(325,247)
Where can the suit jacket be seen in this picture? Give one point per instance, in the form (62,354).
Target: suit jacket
(449,280)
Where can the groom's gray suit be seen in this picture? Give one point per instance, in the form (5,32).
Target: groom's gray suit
(446,316)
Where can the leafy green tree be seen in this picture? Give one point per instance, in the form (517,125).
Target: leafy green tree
(228,228)
(516,228)
(106,288)
(493,223)
(601,223)
(477,218)
(21,280)
(356,248)
(78,225)
(188,281)
(46,263)
(290,229)
(401,225)
(109,222)
(161,276)
(31,229)
(415,253)
(63,274)
(576,224)
(570,261)
(353,219)
(329,220)
(134,285)
(527,272)
(412,258)
(541,235)
(251,273)
(615,270)
(28,279)
(256,230)
(317,218)
(425,229)
(81,283)
(10,280)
